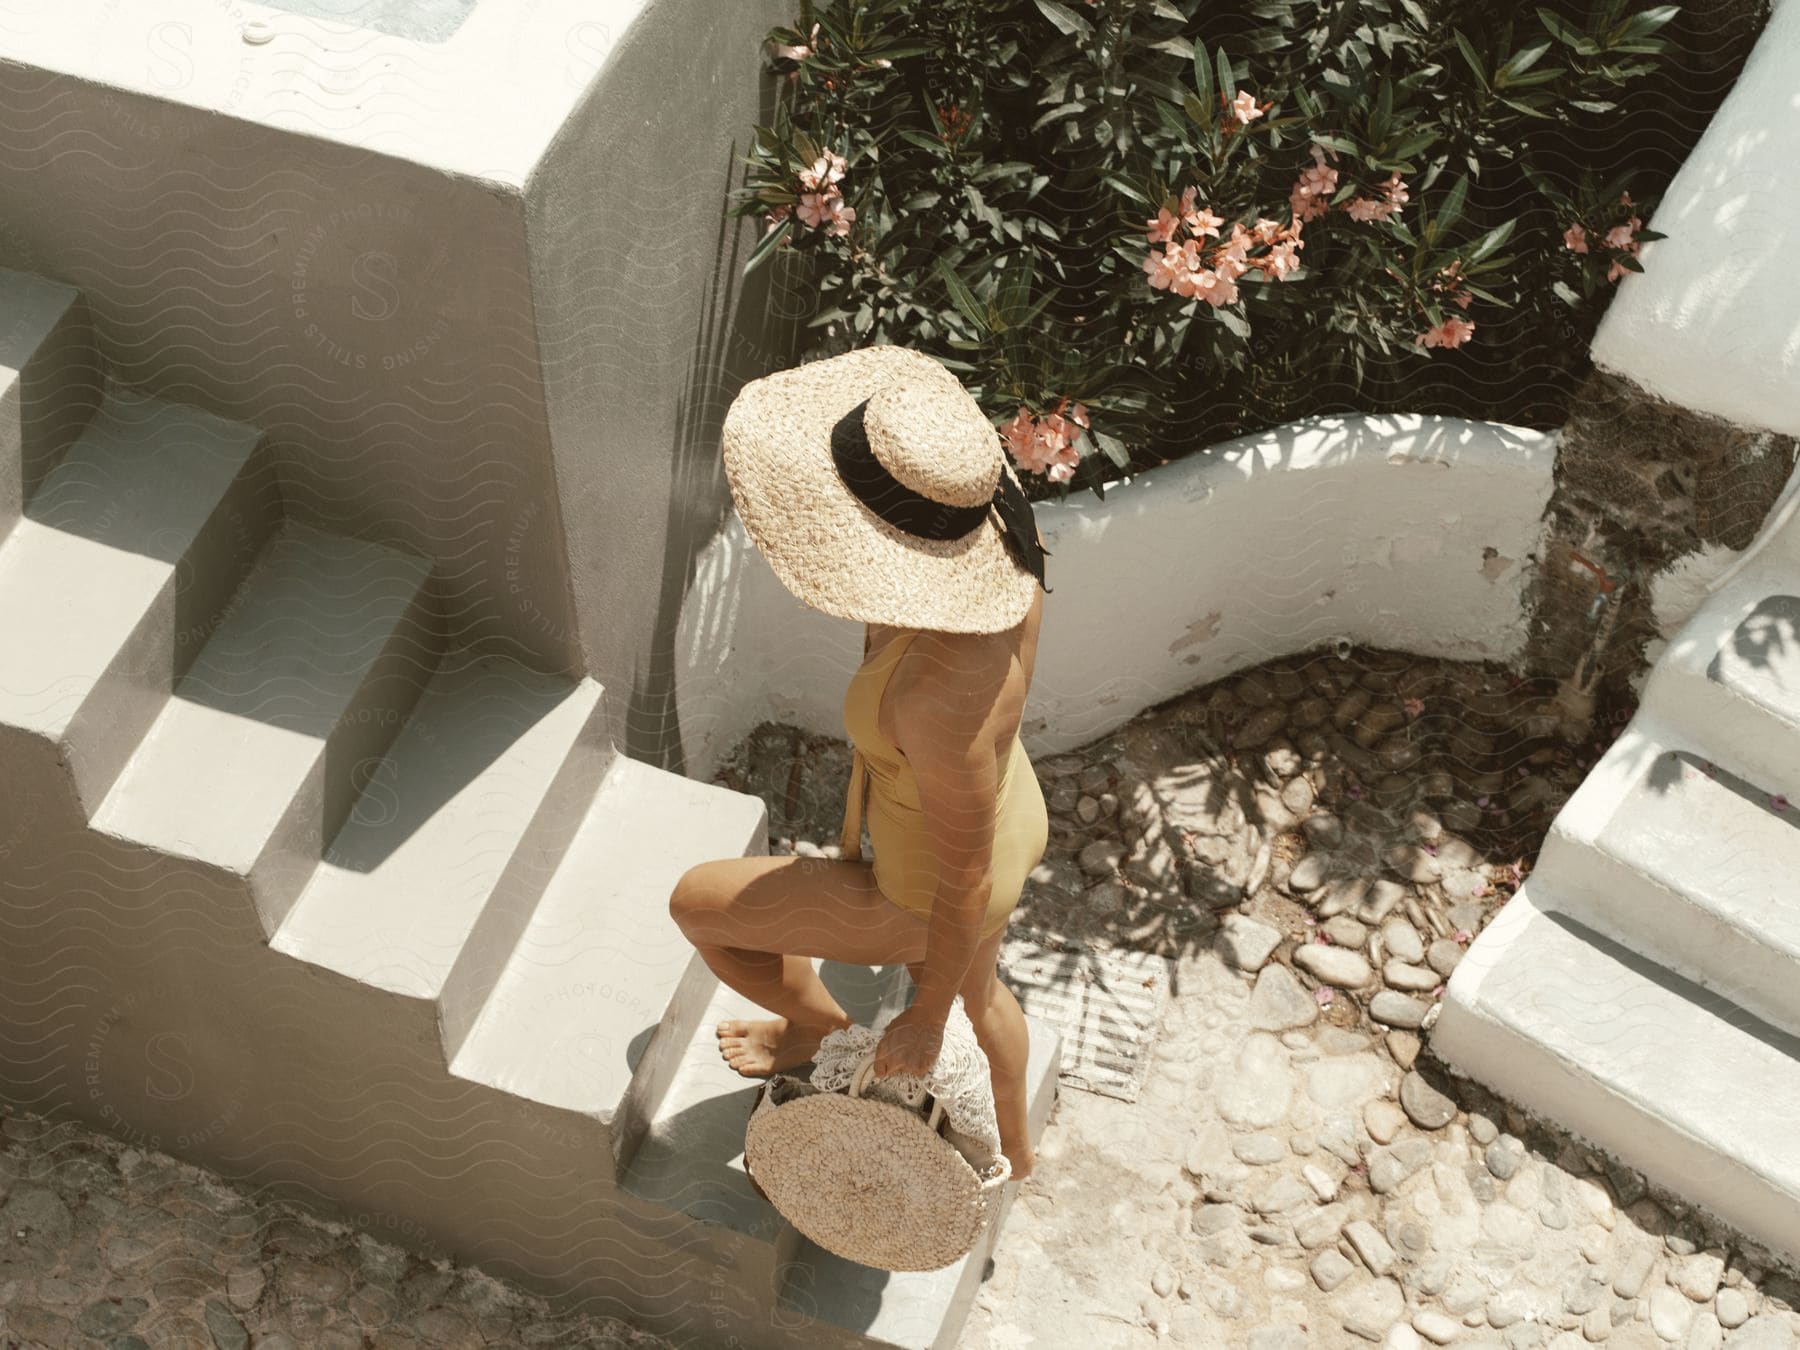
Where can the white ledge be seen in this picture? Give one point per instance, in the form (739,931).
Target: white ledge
(1401,531)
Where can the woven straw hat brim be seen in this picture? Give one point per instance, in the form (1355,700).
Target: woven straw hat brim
(828,548)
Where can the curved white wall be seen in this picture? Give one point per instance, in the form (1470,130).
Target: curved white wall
(1403,531)
(1709,324)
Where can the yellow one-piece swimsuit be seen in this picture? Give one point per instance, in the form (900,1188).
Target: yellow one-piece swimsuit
(906,864)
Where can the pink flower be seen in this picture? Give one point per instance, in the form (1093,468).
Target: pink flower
(827,169)
(1779,801)
(1324,993)
(1414,706)
(1463,935)
(1203,222)
(816,208)
(1438,992)
(1045,445)
(776,216)
(1244,108)
(1308,197)
(842,215)
(1214,288)
(1163,268)
(1452,332)
(1368,208)
(1575,238)
(1395,190)
(1619,236)
(1282,260)
(801,51)
(1162,229)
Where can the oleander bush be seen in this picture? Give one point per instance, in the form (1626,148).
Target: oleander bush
(1137,227)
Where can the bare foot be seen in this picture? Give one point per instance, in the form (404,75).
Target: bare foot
(758,1049)
(1021,1167)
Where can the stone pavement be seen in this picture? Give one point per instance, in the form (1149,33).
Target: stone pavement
(102,1244)
(1313,843)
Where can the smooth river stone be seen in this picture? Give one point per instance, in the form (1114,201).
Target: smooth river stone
(1333,965)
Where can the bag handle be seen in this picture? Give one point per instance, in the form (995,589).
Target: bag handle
(867,1067)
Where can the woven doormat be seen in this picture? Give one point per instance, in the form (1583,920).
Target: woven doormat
(1108,1005)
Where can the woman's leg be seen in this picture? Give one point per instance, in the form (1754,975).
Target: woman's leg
(757,922)
(1001,1032)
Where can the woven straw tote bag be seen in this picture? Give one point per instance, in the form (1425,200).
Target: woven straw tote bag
(869,1180)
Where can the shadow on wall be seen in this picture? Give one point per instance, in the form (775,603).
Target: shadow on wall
(735,343)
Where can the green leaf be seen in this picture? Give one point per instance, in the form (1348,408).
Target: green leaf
(1491,240)
(1065,110)
(1177,46)
(1530,110)
(1065,18)
(1227,85)
(1560,30)
(1014,292)
(1112,446)
(1452,209)
(1232,320)
(1520,62)
(1203,80)
(965,300)
(1125,187)
(1645,22)
(766,246)
(1384,112)
(1470,56)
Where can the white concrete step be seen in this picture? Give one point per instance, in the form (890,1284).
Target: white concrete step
(255,761)
(50,382)
(850,1305)
(1678,1081)
(475,799)
(125,554)
(690,1160)
(1730,678)
(1686,863)
(587,1001)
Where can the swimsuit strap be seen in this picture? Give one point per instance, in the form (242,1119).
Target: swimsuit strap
(850,837)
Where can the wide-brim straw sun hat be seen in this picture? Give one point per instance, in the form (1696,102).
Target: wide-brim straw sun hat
(878,490)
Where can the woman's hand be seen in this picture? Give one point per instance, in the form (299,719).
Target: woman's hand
(911,1043)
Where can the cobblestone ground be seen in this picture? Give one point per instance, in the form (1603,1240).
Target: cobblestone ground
(1313,843)
(102,1244)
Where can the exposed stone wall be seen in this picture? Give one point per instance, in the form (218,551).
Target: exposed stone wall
(1640,484)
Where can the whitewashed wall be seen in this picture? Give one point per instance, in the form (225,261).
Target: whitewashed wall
(1404,531)
(1710,323)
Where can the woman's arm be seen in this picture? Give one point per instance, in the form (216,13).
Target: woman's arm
(948,713)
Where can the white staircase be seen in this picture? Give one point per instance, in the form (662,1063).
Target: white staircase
(449,842)
(1643,987)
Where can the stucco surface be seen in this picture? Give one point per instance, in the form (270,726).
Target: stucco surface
(1403,531)
(1710,323)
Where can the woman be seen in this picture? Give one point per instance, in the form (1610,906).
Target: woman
(878,491)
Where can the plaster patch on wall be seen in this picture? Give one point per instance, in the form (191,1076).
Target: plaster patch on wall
(1434,460)
(1494,563)
(1200,630)
(1412,548)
